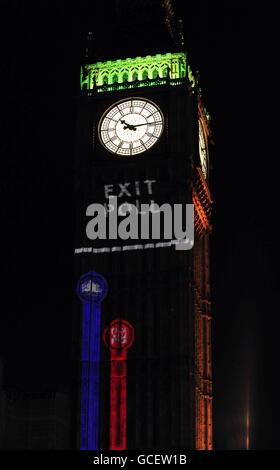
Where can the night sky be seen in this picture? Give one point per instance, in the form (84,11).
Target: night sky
(40,57)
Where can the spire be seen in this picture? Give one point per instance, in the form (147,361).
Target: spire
(174,25)
(132,28)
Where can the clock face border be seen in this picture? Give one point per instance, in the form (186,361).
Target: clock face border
(201,126)
(116,103)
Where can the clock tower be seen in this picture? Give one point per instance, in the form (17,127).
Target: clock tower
(141,316)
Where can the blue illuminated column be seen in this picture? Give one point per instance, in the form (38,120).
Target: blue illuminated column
(92,288)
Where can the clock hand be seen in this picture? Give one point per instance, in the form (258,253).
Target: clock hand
(127,126)
(146,124)
(132,127)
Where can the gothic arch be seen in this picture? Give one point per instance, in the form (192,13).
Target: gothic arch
(124,75)
(134,75)
(104,79)
(115,78)
(155,73)
(145,74)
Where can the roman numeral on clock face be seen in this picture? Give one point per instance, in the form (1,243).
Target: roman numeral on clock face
(121,112)
(130,132)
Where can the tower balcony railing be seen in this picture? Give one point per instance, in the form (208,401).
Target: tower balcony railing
(135,84)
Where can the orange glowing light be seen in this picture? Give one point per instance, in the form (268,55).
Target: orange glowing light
(247,430)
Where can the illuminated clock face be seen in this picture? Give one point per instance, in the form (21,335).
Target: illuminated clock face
(131,126)
(202,150)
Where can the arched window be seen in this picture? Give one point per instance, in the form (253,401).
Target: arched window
(134,76)
(105,80)
(125,77)
(165,72)
(115,78)
(155,73)
(144,74)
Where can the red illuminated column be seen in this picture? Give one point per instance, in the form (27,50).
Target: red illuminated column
(118,337)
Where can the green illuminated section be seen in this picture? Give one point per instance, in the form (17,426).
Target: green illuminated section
(137,72)
(207,114)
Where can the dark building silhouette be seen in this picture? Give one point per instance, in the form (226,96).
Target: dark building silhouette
(2,407)
(151,386)
(38,420)
(34,420)
(158,394)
